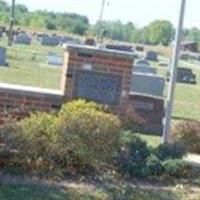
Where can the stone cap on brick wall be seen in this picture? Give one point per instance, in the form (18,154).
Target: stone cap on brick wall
(28,90)
(98,50)
(146,95)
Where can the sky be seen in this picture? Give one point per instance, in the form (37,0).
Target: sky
(140,12)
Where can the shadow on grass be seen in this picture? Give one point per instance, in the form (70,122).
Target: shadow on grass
(14,192)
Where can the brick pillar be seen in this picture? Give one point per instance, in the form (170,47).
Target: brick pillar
(97,74)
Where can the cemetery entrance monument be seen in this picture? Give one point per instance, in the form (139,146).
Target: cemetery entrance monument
(107,76)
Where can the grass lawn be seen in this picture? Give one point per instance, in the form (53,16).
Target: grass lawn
(16,192)
(187,96)
(28,66)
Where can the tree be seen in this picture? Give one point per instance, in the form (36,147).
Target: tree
(160,32)
(193,34)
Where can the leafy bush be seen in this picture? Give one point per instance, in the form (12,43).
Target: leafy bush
(131,120)
(175,167)
(188,133)
(133,159)
(88,132)
(154,165)
(170,151)
(139,160)
(33,139)
(82,135)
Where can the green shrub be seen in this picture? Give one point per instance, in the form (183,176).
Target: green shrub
(188,133)
(133,158)
(170,151)
(175,167)
(33,138)
(81,136)
(87,131)
(131,120)
(154,165)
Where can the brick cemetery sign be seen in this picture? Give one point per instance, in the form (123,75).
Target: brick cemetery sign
(98,74)
(3,56)
(22,38)
(152,55)
(100,87)
(50,40)
(151,109)
(54,59)
(144,70)
(148,84)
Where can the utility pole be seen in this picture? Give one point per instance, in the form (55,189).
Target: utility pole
(172,83)
(100,20)
(12,22)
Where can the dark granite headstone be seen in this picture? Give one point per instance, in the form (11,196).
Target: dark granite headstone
(3,56)
(96,86)
(186,75)
(139,48)
(120,47)
(152,55)
(50,40)
(22,38)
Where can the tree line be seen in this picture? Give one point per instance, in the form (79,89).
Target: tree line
(157,32)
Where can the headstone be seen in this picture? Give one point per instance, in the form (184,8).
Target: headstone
(96,86)
(142,62)
(66,39)
(152,55)
(3,56)
(148,84)
(90,42)
(186,75)
(22,38)
(184,56)
(50,40)
(144,69)
(163,64)
(139,48)
(120,47)
(54,59)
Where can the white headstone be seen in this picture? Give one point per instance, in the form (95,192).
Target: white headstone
(144,69)
(54,59)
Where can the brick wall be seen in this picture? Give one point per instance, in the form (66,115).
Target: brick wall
(89,59)
(150,109)
(19,101)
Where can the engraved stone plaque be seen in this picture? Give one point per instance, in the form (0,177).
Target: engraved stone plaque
(99,87)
